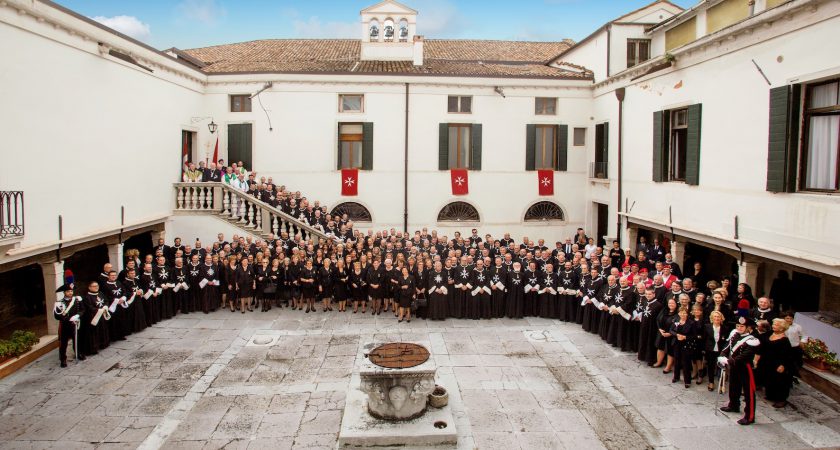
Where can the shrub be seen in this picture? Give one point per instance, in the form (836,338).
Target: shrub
(20,343)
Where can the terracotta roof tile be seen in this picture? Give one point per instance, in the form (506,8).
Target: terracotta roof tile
(441,57)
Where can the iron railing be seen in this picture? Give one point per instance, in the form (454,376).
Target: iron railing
(11,213)
(598,170)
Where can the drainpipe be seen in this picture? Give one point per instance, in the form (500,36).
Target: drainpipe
(619,94)
(609,44)
(405,167)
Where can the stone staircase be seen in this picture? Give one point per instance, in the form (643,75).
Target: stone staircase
(239,209)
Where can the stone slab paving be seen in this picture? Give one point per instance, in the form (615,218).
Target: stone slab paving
(200,382)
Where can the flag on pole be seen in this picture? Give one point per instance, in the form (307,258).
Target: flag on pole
(460,181)
(546,182)
(216,152)
(185,154)
(349,182)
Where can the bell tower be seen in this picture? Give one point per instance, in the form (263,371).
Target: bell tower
(389,33)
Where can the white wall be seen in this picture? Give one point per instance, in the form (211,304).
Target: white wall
(84,134)
(734,137)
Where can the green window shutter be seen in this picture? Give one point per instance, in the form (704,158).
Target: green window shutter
(562,148)
(475,154)
(692,148)
(782,149)
(530,147)
(658,148)
(443,147)
(367,146)
(338,159)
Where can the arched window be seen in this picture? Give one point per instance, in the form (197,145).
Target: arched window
(374,30)
(403,30)
(388,28)
(355,212)
(458,212)
(544,211)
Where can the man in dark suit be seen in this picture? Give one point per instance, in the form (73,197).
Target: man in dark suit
(656,252)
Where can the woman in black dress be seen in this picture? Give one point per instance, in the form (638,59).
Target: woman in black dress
(375,280)
(306,278)
(229,282)
(777,364)
(699,343)
(405,294)
(421,282)
(341,289)
(326,286)
(358,286)
(437,292)
(663,341)
(261,276)
(245,285)
(275,282)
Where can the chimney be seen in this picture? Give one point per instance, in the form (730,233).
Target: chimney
(418,50)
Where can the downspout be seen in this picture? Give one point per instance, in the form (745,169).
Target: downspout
(405,167)
(619,94)
(609,45)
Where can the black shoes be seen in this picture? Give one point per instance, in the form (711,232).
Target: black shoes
(727,408)
(744,421)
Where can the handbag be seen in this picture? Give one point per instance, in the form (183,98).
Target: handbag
(271,288)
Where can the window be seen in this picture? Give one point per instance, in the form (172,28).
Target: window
(599,167)
(458,212)
(638,51)
(546,147)
(240,103)
(821,143)
(351,103)
(460,104)
(544,211)
(459,146)
(677,148)
(350,141)
(355,212)
(676,145)
(579,137)
(545,106)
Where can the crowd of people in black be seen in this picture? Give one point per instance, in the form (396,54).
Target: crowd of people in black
(691,326)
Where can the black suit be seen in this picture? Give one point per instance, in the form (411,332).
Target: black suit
(656,253)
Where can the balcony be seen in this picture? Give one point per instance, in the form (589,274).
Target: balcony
(599,171)
(11,219)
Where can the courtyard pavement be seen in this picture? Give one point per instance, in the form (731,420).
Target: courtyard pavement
(199,382)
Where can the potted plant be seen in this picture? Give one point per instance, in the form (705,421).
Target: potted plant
(20,343)
(439,397)
(816,354)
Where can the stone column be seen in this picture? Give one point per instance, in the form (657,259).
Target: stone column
(157,235)
(632,239)
(748,273)
(53,279)
(678,253)
(115,256)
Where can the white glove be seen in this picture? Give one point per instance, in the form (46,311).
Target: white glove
(722,361)
(75,319)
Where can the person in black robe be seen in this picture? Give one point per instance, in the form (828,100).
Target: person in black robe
(325,285)
(588,291)
(438,290)
(196,293)
(461,292)
(664,349)
(620,315)
(97,336)
(531,288)
(648,329)
(498,274)
(390,280)
(449,268)
(547,294)
(582,272)
(274,285)
(404,294)
(567,286)
(115,298)
(68,311)
(341,287)
(358,287)
(630,341)
(181,289)
(210,292)
(166,281)
(607,298)
(293,280)
(514,300)
(682,337)
(151,302)
(136,311)
(480,292)
(245,284)
(375,280)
